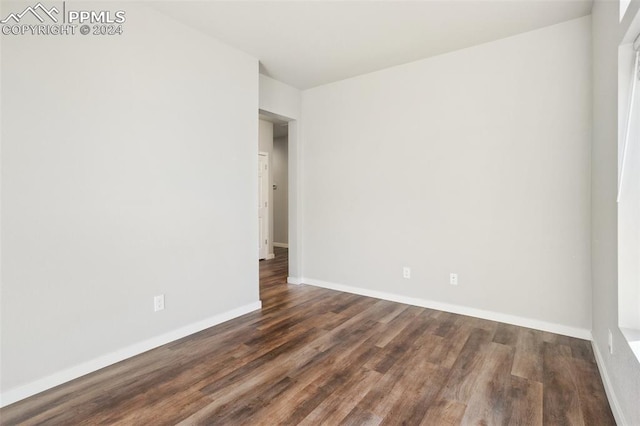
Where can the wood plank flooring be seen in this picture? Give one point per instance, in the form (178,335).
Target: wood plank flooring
(313,356)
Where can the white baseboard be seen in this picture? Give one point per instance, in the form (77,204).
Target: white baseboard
(580,333)
(40,385)
(281,245)
(294,280)
(608,387)
(270,256)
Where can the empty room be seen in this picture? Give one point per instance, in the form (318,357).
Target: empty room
(320,212)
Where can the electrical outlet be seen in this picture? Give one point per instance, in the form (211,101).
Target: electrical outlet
(406,272)
(158,303)
(610,342)
(453,279)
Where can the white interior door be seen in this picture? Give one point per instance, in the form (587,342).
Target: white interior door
(263,205)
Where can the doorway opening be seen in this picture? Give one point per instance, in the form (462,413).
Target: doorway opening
(273,201)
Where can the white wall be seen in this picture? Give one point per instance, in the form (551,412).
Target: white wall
(279,98)
(621,370)
(474,162)
(265,144)
(129,169)
(280,195)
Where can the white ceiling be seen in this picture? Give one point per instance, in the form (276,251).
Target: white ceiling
(309,43)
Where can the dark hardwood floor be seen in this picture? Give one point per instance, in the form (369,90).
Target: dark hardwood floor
(313,356)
